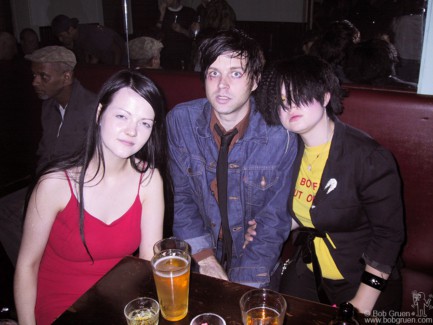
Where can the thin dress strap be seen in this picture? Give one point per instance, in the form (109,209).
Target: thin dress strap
(139,183)
(69,182)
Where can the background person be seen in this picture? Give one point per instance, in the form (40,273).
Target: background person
(8,46)
(175,22)
(407,35)
(215,15)
(71,241)
(333,43)
(29,41)
(372,62)
(145,52)
(212,210)
(345,198)
(67,106)
(91,43)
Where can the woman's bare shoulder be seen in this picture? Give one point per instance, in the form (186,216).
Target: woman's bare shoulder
(151,181)
(53,183)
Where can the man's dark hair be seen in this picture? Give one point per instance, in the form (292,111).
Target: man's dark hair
(62,23)
(236,41)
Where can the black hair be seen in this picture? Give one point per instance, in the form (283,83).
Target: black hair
(370,60)
(27,30)
(332,45)
(236,41)
(62,23)
(305,78)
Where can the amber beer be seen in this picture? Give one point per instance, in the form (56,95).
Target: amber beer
(171,270)
(262,316)
(263,307)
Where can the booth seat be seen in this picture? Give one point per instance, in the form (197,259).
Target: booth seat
(177,86)
(403,123)
(400,121)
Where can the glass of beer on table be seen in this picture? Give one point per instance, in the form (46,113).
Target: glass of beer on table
(142,311)
(171,270)
(263,307)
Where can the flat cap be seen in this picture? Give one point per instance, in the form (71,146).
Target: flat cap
(51,54)
(144,48)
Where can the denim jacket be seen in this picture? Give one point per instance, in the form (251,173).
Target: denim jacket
(259,178)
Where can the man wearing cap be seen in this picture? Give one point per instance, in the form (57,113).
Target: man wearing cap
(68,107)
(67,111)
(91,43)
(145,52)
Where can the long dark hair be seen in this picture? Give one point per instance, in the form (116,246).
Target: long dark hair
(153,153)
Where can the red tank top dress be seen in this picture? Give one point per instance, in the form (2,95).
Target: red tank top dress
(66,270)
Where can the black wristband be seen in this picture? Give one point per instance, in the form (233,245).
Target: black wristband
(373,281)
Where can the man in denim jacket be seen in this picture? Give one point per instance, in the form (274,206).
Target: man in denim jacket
(260,163)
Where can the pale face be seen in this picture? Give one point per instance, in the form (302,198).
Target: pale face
(309,120)
(228,89)
(126,124)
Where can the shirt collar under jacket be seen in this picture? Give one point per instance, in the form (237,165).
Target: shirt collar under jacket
(241,126)
(256,130)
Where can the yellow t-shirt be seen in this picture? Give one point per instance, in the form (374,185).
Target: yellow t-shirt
(307,184)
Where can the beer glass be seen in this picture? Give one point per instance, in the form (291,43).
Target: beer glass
(170,243)
(142,311)
(263,307)
(171,270)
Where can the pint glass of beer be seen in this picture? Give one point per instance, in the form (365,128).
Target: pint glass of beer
(171,269)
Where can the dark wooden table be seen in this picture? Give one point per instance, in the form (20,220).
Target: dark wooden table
(132,278)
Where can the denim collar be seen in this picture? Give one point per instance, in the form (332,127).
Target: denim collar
(257,129)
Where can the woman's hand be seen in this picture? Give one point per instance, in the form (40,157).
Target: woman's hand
(251,232)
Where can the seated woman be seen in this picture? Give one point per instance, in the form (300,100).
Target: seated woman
(88,212)
(346,202)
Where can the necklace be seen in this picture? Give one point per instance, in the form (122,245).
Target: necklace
(325,147)
(310,164)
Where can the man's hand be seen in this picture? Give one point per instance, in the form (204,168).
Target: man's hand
(251,232)
(210,266)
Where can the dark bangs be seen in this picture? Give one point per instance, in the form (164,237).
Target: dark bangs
(308,78)
(237,42)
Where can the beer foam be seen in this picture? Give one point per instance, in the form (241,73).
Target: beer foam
(170,270)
